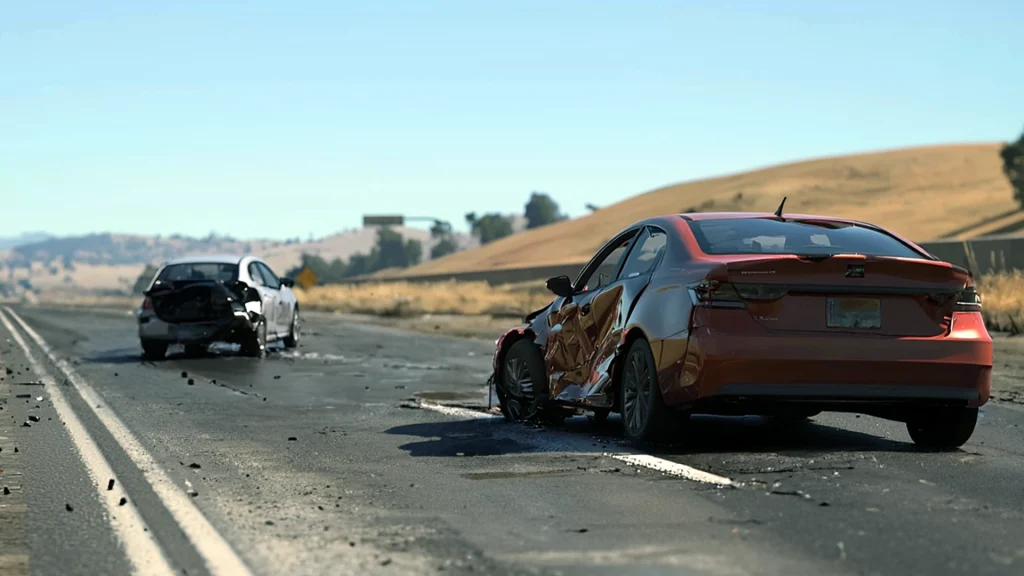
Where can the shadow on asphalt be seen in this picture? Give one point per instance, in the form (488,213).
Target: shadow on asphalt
(701,435)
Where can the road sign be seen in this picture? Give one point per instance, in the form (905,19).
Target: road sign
(307,278)
(383,220)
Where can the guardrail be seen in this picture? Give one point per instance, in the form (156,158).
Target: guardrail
(980,256)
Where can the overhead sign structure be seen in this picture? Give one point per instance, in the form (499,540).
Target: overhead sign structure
(384,220)
(307,278)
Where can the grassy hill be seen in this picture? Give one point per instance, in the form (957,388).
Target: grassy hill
(112,262)
(922,193)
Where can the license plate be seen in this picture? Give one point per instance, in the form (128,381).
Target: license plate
(854,313)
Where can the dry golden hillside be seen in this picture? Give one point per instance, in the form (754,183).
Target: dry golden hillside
(921,193)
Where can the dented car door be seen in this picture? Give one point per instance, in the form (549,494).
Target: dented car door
(581,321)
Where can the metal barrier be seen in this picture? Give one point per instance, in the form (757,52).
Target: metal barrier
(980,256)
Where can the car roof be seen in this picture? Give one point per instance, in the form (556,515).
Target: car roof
(724,215)
(207,259)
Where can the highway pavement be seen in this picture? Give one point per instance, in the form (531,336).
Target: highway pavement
(369,450)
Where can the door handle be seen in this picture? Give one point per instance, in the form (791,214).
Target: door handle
(585,309)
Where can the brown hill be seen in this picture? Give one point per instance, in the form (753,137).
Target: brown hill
(921,193)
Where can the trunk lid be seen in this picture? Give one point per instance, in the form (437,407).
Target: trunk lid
(846,293)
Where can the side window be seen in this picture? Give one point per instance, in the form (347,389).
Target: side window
(644,254)
(604,273)
(254,271)
(269,277)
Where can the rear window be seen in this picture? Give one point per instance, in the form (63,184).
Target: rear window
(204,271)
(768,236)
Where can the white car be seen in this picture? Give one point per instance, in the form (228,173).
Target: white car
(200,300)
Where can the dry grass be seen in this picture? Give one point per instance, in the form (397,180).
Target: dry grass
(1002,299)
(921,193)
(403,299)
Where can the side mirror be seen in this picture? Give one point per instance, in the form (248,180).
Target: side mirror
(287,282)
(560,285)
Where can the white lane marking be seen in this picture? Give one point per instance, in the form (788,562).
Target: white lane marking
(218,555)
(458,412)
(634,458)
(140,547)
(672,468)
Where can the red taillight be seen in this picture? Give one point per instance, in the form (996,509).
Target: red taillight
(147,304)
(715,294)
(968,300)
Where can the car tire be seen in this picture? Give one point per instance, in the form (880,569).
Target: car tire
(522,387)
(154,349)
(645,418)
(943,428)
(255,344)
(292,339)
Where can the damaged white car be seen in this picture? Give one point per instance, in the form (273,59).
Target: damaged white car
(201,300)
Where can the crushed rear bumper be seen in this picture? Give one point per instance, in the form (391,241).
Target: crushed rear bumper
(153,328)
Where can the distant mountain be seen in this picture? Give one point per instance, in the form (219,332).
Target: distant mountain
(8,242)
(125,249)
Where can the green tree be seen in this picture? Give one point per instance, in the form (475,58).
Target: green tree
(1013,167)
(444,247)
(489,227)
(142,282)
(541,210)
(442,232)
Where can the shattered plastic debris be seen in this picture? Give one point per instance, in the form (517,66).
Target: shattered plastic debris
(34,418)
(123,501)
(110,485)
(194,466)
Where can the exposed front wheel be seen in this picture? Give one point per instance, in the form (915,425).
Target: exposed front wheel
(943,428)
(645,418)
(522,382)
(255,344)
(154,349)
(292,339)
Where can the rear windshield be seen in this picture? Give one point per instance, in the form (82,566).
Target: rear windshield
(768,236)
(199,272)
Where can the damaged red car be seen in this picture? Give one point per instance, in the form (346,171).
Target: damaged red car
(754,314)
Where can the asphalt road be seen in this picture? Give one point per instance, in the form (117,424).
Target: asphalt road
(316,461)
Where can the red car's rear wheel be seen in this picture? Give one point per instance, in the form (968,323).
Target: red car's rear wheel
(645,418)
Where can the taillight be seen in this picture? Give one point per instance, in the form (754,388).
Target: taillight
(968,300)
(715,294)
(147,304)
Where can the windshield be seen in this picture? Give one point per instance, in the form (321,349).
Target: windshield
(769,236)
(198,272)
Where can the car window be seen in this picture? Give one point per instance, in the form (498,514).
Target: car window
(257,277)
(644,254)
(604,273)
(198,272)
(769,236)
(269,277)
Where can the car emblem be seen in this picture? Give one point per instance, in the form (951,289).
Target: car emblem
(855,271)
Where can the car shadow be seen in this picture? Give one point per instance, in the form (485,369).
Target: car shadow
(701,435)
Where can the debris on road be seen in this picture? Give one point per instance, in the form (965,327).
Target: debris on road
(23,396)
(69,507)
(191,382)
(34,418)
(194,466)
(292,438)
(110,485)
(25,424)
(277,377)
(7,491)
(123,501)
(184,374)
(411,405)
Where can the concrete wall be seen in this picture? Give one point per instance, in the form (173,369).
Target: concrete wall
(980,256)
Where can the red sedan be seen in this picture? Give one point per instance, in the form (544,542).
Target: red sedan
(767,314)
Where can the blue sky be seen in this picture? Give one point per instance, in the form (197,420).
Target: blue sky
(285,119)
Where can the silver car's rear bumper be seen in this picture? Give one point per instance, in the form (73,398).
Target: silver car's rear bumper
(153,328)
